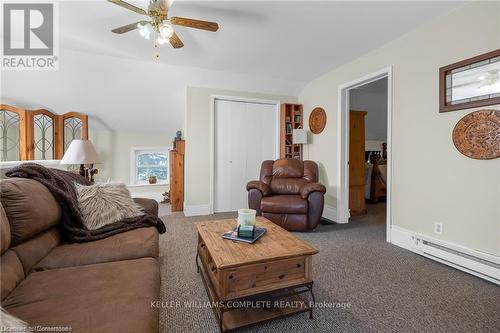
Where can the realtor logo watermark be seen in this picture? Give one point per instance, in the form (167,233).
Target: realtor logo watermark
(30,36)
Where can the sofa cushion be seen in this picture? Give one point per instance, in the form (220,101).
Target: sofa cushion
(12,272)
(292,204)
(288,168)
(133,244)
(36,248)
(4,230)
(29,206)
(109,297)
(291,222)
(311,171)
(287,185)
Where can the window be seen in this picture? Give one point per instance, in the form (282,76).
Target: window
(147,162)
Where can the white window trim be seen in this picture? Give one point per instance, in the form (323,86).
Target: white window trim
(133,165)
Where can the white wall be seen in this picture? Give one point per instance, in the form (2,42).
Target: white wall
(197,159)
(129,102)
(432,181)
(372,98)
(114,150)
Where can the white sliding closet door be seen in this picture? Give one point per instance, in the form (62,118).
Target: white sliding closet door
(245,135)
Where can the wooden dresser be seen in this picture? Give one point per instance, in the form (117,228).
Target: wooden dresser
(357,163)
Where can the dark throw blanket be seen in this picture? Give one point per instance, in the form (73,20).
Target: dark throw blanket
(61,184)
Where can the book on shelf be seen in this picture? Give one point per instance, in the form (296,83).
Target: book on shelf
(288,128)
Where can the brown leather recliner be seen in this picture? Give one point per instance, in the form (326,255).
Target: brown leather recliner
(288,194)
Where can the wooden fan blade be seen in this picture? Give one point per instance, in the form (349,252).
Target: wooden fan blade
(128,27)
(129,6)
(197,24)
(176,42)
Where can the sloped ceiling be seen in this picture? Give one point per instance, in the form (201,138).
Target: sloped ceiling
(261,46)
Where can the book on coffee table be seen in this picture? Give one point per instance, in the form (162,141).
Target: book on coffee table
(233,235)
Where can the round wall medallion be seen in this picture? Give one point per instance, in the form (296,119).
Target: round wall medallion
(477,135)
(317,120)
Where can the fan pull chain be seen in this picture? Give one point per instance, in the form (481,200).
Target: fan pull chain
(158,53)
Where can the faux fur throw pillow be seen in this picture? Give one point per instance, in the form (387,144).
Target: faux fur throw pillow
(9,323)
(103,204)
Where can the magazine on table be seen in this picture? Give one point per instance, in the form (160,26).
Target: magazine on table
(233,235)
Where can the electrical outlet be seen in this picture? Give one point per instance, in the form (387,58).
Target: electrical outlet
(438,228)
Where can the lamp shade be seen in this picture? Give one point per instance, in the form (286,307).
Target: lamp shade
(299,136)
(80,152)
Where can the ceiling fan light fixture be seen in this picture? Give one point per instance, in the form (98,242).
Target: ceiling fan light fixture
(166,31)
(145,30)
(159,26)
(160,40)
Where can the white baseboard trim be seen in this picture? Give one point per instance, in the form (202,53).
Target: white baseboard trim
(330,213)
(196,210)
(480,264)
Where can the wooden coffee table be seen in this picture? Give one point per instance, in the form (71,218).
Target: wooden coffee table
(252,283)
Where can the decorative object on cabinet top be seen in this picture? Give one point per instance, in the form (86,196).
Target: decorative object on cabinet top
(477,135)
(317,120)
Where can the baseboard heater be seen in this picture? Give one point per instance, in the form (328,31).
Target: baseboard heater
(477,263)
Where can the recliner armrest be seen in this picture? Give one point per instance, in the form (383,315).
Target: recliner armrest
(258,185)
(311,187)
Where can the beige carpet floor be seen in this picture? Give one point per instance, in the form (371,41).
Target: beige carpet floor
(382,287)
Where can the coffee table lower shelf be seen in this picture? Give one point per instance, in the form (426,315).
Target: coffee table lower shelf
(231,317)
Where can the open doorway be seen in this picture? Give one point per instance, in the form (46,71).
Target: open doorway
(364,152)
(368,151)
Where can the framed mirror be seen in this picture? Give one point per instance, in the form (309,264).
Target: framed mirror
(470,83)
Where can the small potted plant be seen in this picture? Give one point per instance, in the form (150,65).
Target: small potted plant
(152,179)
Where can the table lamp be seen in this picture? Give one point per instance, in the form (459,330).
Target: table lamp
(82,152)
(299,136)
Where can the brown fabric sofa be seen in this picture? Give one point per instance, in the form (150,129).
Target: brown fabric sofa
(288,194)
(102,286)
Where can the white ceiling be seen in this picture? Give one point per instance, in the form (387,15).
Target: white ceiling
(267,47)
(297,40)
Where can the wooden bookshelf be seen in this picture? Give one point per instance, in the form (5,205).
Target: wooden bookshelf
(291,117)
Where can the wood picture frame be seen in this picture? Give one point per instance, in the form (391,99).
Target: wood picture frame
(445,106)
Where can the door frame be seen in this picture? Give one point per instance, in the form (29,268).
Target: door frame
(213,99)
(343,145)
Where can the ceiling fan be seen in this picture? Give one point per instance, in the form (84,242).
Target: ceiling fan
(160,24)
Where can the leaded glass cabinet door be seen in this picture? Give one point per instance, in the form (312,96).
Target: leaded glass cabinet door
(42,135)
(73,126)
(12,133)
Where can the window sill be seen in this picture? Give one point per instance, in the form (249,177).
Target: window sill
(147,185)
